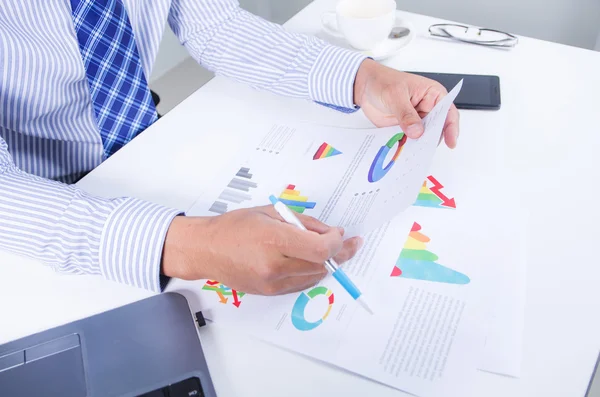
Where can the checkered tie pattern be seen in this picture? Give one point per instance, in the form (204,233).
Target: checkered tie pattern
(121,97)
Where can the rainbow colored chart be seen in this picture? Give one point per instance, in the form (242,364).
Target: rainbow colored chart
(324,151)
(417,263)
(222,291)
(377,170)
(298,319)
(292,198)
(431,195)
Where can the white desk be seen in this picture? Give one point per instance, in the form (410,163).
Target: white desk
(547,141)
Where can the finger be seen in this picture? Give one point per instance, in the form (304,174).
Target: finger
(320,243)
(407,115)
(427,103)
(349,250)
(316,225)
(379,118)
(308,245)
(294,284)
(293,267)
(451,127)
(298,267)
(301,282)
(309,222)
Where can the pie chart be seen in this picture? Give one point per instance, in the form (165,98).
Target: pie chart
(377,169)
(298,318)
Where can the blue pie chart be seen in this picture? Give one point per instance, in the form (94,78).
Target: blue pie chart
(377,169)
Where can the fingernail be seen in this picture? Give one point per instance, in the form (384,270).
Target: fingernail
(360,243)
(414,130)
(455,133)
(342,231)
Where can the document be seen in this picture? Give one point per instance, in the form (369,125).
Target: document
(361,179)
(426,267)
(426,336)
(431,276)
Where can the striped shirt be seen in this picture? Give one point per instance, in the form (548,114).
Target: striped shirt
(49,137)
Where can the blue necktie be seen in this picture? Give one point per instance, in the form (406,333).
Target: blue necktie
(120,94)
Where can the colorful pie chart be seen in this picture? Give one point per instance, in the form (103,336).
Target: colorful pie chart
(299,320)
(378,170)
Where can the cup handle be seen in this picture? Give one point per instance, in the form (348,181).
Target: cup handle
(330,25)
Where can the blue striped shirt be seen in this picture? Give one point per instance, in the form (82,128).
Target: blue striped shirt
(49,137)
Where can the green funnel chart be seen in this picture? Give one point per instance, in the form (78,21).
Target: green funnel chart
(377,169)
(298,311)
(417,263)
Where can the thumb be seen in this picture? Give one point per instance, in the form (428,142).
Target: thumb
(309,222)
(407,116)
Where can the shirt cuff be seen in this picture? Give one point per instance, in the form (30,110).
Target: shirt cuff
(331,79)
(132,243)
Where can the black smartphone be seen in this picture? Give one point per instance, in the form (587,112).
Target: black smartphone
(478,91)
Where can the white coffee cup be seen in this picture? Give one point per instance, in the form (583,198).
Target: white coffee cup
(363,23)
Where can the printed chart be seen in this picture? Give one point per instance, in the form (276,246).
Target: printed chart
(377,170)
(431,195)
(298,316)
(223,292)
(292,198)
(324,151)
(416,262)
(237,191)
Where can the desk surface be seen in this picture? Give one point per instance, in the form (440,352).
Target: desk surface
(545,139)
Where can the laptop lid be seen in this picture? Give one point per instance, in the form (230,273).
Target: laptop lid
(150,346)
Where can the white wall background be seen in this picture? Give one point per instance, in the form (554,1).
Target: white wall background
(170,54)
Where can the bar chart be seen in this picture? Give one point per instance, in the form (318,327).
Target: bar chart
(292,198)
(236,192)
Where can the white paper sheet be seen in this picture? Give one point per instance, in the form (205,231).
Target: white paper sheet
(328,173)
(425,337)
(503,348)
(412,311)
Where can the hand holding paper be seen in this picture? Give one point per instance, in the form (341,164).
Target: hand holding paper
(385,174)
(390,98)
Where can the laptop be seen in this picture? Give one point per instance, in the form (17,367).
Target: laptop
(148,348)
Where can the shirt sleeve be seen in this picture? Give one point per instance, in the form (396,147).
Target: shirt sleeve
(237,44)
(74,232)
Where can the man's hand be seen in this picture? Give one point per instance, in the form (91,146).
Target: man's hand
(389,97)
(253,250)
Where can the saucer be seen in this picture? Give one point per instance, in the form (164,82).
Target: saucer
(384,50)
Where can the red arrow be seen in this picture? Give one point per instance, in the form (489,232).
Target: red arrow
(210,282)
(437,190)
(236,300)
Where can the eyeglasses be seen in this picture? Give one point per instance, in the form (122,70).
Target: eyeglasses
(469,34)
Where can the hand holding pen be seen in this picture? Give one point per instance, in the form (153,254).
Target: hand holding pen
(253,251)
(330,264)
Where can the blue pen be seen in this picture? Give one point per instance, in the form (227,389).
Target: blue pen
(289,216)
